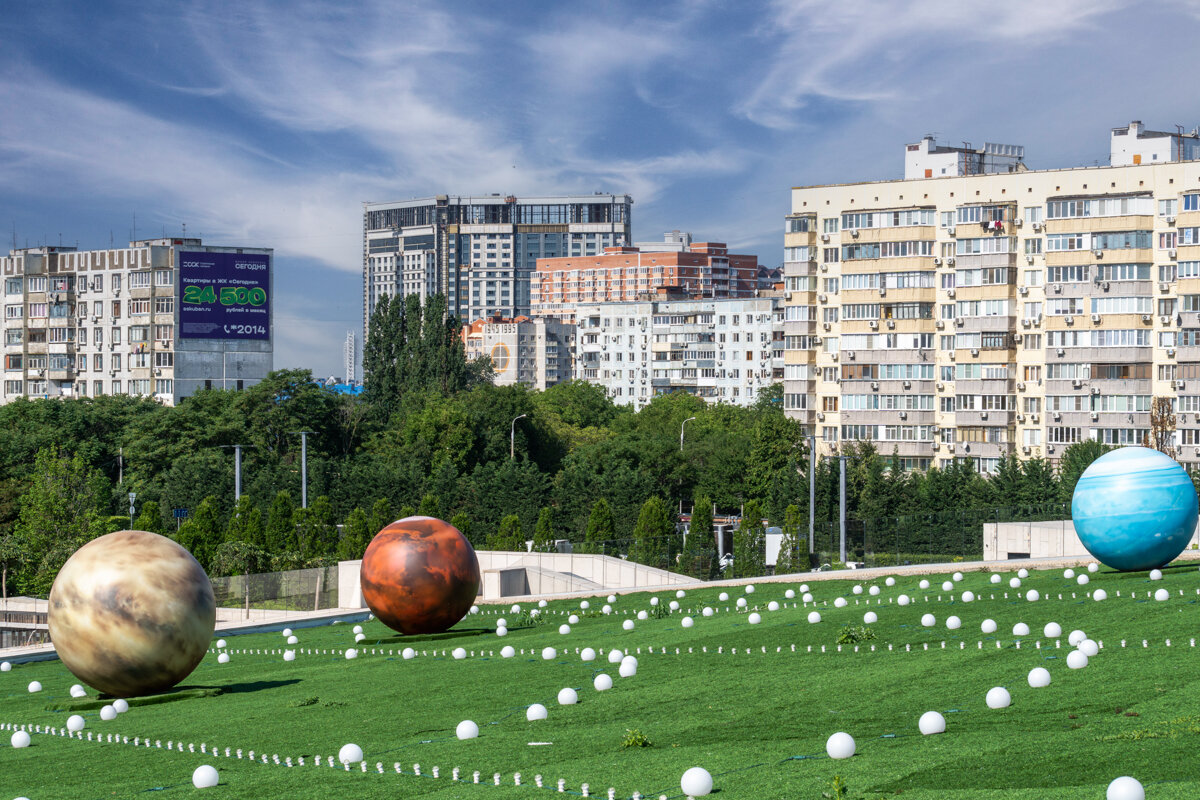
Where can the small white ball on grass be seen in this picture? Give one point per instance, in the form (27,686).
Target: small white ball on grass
(924,584)
(643,615)
(953,623)
(807,598)
(1022,573)
(840,745)
(1099,594)
(549,654)
(998,698)
(928,620)
(627,624)
(790,594)
(5,666)
(612,598)
(1082,580)
(1068,574)
(840,602)
(627,669)
(508,651)
(723,596)
(804,587)
(352,654)
(289,655)
(706,611)
(1089,648)
(606,609)
(615,656)
(1093,567)
(75,723)
(205,776)
(357,629)
(585,605)
(1076,636)
(674,606)
(890,581)
(750,588)
(564,629)
(1052,630)
(602,682)
(1039,677)
(516,609)
(408,653)
(1156,574)
(773,606)
(220,644)
(1020,629)
(870,617)
(1033,595)
(755,618)
(995,579)
(947,586)
(19,739)
(1014,583)
(931,722)
(696,782)
(814,617)
(680,594)
(121,705)
(873,591)
(587,654)
(459,653)
(687,622)
(1161,595)
(958,576)
(474,609)
(741,602)
(358,637)
(223,658)
(350,754)
(502,631)
(543,603)
(1077,659)
(567,697)
(535,712)
(857,589)
(501,622)
(78,691)
(293,640)
(903,600)
(988,626)
(968,597)
(1125,788)
(467,730)
(108,713)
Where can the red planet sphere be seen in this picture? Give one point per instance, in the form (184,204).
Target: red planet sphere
(419,575)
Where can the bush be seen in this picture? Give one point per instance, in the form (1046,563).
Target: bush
(853,634)
(634,738)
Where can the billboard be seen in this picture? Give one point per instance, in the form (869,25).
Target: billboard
(224,295)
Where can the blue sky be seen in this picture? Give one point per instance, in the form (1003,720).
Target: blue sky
(268,125)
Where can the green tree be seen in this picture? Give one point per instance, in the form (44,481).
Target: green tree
(790,558)
(202,532)
(430,506)
(355,536)
(1075,459)
(749,543)
(699,557)
(381,516)
(543,532)
(653,534)
(463,523)
(280,532)
(508,536)
(149,518)
(601,528)
(317,530)
(245,524)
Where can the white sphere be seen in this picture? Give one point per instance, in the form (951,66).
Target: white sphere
(790,594)
(350,754)
(1022,573)
(606,609)
(459,653)
(1077,659)
(1099,594)
(1089,648)
(1125,788)
(585,605)
(968,597)
(535,712)
(508,651)
(627,669)
(741,602)
(958,576)
(501,622)
(749,588)
(627,624)
(587,654)
(932,722)
(408,653)
(1014,583)
(1156,574)
(804,587)
(78,691)
(108,713)
(772,606)
(288,632)
(543,603)
(840,745)
(890,581)
(1052,630)
(1039,677)
(629,660)
(357,629)
(612,598)
(643,615)
(19,739)
(474,609)
(75,723)
(947,586)
(680,594)
(873,591)
(293,640)
(807,598)
(35,686)
(358,637)
(1161,595)
(928,620)
(223,658)
(467,730)
(653,601)
(998,698)
(1082,580)
(567,697)
(602,682)
(1093,567)
(814,617)
(696,782)
(674,606)
(902,600)
(1033,595)
(220,644)
(953,623)
(706,611)
(1020,629)
(755,618)
(5,666)
(686,622)
(615,656)
(1076,636)
(870,617)
(549,654)
(924,584)
(995,579)
(289,655)
(857,589)
(1068,574)
(516,608)
(205,776)
(988,626)
(840,602)
(723,596)
(351,654)
(502,631)
(564,629)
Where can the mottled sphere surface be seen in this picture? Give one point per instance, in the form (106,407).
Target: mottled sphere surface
(419,575)
(131,613)
(1134,508)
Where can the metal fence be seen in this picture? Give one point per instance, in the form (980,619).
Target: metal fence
(297,590)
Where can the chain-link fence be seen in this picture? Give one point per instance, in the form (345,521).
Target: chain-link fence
(297,590)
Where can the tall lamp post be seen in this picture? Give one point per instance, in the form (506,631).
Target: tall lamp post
(681,426)
(512,437)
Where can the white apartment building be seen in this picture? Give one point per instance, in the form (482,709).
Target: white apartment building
(159,318)
(534,352)
(976,315)
(720,350)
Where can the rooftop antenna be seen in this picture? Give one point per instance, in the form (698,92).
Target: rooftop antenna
(133,233)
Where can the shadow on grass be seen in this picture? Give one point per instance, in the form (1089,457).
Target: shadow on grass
(170,696)
(445,636)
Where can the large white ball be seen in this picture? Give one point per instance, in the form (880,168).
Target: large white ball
(1039,677)
(873,591)
(686,622)
(953,623)
(680,593)
(1082,580)
(602,682)
(932,722)
(543,603)
(754,618)
(75,723)
(220,643)
(19,739)
(535,712)
(350,754)
(890,581)
(857,589)
(1161,595)
(627,624)
(840,602)
(289,655)
(564,629)
(1125,788)
(1093,567)
(840,745)
(1077,659)
(750,588)
(924,584)
(474,609)
(1076,636)
(293,640)
(947,586)
(121,705)
(567,697)
(502,631)
(358,637)
(35,687)
(1068,574)
(706,611)
(285,632)
(516,608)
(508,651)
(1020,629)
(615,656)
(223,658)
(408,653)
(108,713)
(723,596)
(459,653)
(928,620)
(870,617)
(606,609)
(902,600)
(643,615)
(1033,595)
(998,698)
(351,654)
(1089,648)
(995,579)
(1052,630)
(772,606)
(696,782)
(958,576)
(653,601)
(5,666)
(1156,574)
(988,626)
(968,597)
(584,604)
(1099,594)
(674,605)
(501,623)
(1014,583)
(807,598)
(587,654)
(814,617)
(549,653)
(627,669)
(612,598)
(205,777)
(790,594)
(467,730)
(1022,573)
(741,602)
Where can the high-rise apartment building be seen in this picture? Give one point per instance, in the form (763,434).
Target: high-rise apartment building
(161,318)
(481,251)
(974,315)
(534,352)
(674,267)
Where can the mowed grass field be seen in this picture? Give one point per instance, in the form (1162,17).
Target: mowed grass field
(758,721)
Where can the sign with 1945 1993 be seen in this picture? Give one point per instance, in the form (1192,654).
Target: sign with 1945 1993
(224,295)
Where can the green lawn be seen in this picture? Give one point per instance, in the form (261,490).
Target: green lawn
(757,721)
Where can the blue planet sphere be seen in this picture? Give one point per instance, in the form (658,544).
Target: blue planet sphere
(1134,509)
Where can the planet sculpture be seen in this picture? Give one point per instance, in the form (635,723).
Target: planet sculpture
(420,575)
(131,613)
(1134,508)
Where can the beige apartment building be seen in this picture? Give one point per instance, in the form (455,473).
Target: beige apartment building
(979,308)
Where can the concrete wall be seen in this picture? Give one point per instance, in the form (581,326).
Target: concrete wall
(1046,539)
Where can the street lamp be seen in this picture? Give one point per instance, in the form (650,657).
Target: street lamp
(512,437)
(685,422)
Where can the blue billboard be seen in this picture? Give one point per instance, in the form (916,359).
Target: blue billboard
(224,295)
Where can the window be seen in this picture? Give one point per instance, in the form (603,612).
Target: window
(139,280)
(12,285)
(38,310)
(1191,202)
(164,305)
(164,277)
(36,283)
(116,308)
(164,386)
(1033,247)
(990,244)
(14,312)
(164,333)
(1168,208)
(139,307)
(116,336)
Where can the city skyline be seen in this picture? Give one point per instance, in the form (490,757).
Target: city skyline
(268,126)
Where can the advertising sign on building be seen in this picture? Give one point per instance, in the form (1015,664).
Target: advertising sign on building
(224,295)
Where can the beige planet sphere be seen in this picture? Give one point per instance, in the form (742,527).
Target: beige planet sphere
(131,613)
